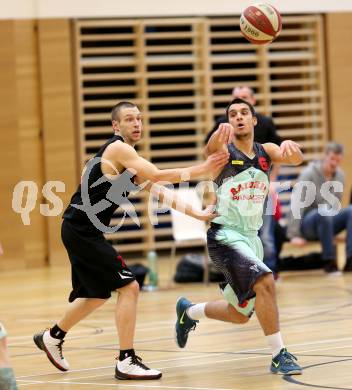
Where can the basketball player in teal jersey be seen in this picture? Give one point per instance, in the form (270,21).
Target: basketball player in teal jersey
(233,243)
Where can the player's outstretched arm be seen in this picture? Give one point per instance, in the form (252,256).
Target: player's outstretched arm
(288,152)
(122,154)
(171,199)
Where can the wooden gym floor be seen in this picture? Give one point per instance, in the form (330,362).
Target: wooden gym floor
(316,322)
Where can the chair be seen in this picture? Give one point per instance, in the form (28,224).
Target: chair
(188,231)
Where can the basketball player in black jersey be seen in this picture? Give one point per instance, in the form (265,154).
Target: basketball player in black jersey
(97,269)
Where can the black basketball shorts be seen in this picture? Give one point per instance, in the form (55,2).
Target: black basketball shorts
(238,255)
(97,269)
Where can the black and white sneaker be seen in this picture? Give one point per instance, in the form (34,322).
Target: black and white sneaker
(53,349)
(133,368)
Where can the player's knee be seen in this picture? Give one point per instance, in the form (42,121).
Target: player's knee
(131,289)
(134,288)
(235,316)
(325,220)
(265,285)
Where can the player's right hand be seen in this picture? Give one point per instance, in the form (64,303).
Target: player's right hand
(225,133)
(217,160)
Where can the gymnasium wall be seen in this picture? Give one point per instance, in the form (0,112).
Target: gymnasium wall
(181,71)
(20,139)
(339,95)
(37,135)
(34,9)
(45,119)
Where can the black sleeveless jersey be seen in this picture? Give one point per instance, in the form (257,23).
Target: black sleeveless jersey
(239,162)
(91,195)
(241,189)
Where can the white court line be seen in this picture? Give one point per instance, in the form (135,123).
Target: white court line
(234,359)
(326,349)
(68,381)
(15,341)
(285,311)
(112,330)
(167,368)
(161,386)
(93,321)
(29,382)
(64,373)
(222,353)
(209,355)
(152,362)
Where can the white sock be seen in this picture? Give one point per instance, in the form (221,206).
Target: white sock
(197,311)
(275,343)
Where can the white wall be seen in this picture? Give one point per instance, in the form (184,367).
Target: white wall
(15,9)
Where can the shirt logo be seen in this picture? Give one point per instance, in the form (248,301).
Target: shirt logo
(251,174)
(121,260)
(237,162)
(249,185)
(124,277)
(264,165)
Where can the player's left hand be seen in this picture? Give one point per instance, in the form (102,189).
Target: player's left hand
(207,214)
(288,148)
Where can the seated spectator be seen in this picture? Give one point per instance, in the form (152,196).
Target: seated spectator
(315,212)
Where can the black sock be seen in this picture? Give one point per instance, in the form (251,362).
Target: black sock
(125,353)
(57,333)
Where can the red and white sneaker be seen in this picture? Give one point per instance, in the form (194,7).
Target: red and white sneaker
(133,368)
(53,349)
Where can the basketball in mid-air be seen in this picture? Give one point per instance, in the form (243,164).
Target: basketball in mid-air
(260,23)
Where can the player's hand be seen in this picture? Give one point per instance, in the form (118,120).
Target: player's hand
(216,161)
(289,148)
(298,241)
(225,133)
(207,214)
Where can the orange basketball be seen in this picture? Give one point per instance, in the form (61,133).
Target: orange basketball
(260,23)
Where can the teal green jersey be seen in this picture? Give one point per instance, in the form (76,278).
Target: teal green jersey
(241,189)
